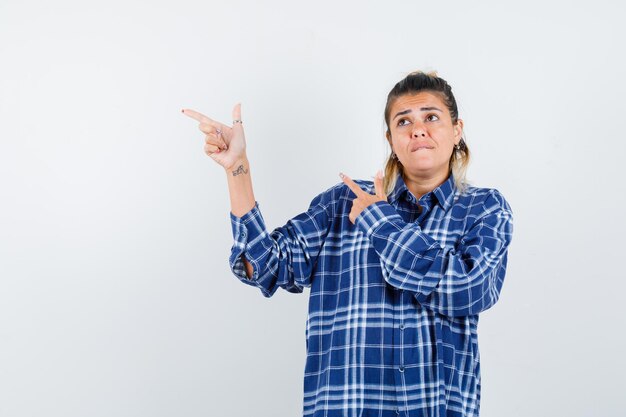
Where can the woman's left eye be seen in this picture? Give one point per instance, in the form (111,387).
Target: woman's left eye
(433,115)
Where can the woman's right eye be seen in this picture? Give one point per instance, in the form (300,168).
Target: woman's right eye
(400,122)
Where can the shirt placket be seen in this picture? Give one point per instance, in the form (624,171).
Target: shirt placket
(398,342)
(420,212)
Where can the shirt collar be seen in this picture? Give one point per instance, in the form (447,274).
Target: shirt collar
(443,193)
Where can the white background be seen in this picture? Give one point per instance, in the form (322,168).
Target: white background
(116,298)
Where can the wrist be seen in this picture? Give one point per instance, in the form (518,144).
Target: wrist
(239,164)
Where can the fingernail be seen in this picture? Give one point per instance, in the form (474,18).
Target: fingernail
(183,110)
(341,174)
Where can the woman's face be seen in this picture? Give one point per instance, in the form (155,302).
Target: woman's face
(422,134)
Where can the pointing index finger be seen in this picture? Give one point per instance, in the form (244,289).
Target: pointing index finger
(203,119)
(196,115)
(351,184)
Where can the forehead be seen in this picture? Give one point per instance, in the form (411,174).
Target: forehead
(421,99)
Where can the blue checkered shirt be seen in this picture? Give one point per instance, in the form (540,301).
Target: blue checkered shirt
(394,298)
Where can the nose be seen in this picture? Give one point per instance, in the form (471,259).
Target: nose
(418,131)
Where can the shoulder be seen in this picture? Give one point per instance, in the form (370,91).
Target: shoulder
(340,190)
(334,194)
(485,199)
(344,192)
(341,193)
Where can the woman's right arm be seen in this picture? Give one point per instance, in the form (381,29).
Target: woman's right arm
(284,257)
(227,146)
(241,195)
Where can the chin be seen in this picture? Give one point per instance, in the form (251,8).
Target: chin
(427,170)
(421,167)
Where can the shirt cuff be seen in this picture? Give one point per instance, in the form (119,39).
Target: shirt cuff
(375,215)
(250,222)
(250,239)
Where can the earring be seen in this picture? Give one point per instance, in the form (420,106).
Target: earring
(393,155)
(460,146)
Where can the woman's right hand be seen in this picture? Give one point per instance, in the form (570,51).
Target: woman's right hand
(226,145)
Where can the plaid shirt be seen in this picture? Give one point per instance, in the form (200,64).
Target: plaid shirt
(394,298)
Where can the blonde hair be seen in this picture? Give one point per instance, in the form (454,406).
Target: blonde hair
(414,83)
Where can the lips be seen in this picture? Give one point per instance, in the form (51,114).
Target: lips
(418,147)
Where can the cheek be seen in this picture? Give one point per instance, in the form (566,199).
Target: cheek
(446,138)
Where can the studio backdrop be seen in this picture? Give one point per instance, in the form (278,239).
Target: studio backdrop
(116,296)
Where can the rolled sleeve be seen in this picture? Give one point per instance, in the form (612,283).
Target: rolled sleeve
(285,257)
(250,238)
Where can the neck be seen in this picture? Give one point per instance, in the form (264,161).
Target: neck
(420,185)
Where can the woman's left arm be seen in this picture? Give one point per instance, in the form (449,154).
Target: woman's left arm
(459,281)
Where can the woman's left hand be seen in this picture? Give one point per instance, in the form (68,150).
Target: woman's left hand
(364,199)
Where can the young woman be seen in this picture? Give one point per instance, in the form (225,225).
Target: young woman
(398,268)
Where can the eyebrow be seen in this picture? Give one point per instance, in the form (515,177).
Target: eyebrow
(421,109)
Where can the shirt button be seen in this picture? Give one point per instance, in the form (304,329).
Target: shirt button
(243,233)
(401,368)
(402,326)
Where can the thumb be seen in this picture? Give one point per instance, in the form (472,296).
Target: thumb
(378,184)
(236,113)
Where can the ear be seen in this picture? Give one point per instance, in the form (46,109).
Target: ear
(458,130)
(388,135)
